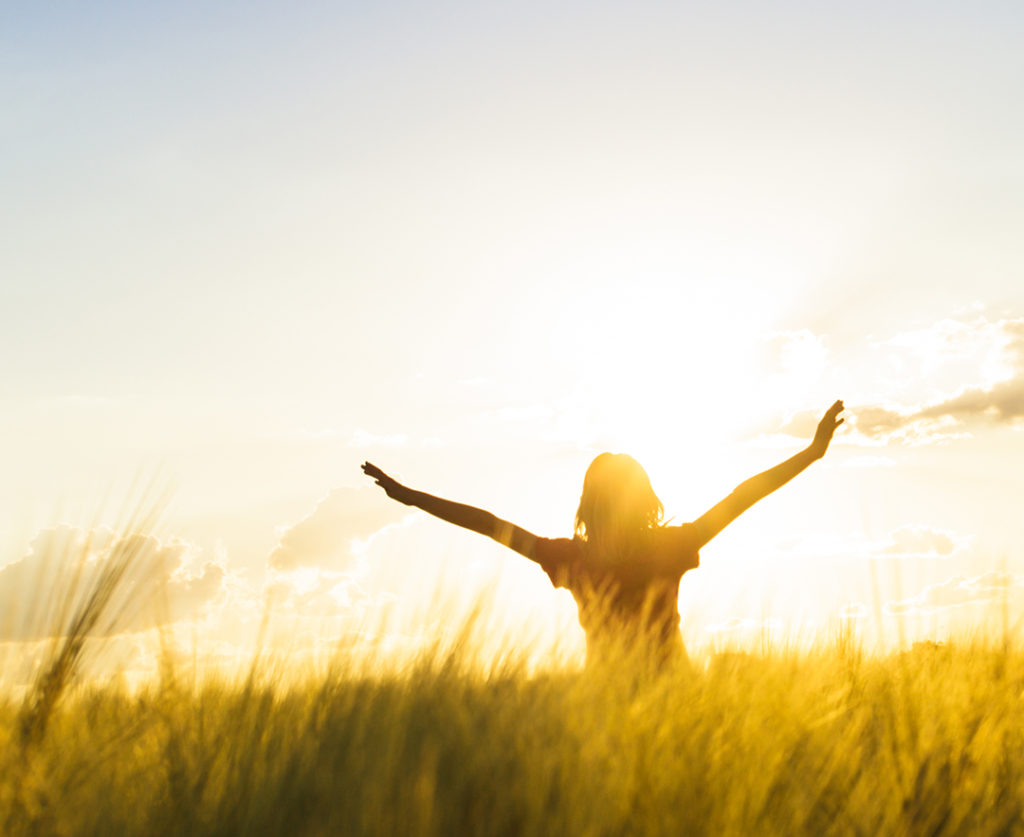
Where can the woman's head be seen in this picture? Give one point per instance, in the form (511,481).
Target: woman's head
(617,500)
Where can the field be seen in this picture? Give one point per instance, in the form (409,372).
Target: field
(454,739)
(821,741)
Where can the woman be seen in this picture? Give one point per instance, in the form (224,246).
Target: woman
(622,566)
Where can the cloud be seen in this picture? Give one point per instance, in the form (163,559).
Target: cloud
(992,353)
(315,592)
(362,563)
(188,589)
(353,555)
(987,351)
(165,582)
(875,425)
(1001,403)
(921,542)
(876,420)
(970,372)
(326,538)
(905,542)
(959,591)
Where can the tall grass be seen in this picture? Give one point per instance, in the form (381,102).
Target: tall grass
(829,740)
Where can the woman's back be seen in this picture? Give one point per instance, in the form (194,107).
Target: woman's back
(632,595)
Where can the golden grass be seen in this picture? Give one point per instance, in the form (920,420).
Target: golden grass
(829,740)
(823,742)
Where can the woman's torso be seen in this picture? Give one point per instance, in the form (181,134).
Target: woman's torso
(626,597)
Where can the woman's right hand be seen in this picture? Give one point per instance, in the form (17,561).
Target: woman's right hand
(392,487)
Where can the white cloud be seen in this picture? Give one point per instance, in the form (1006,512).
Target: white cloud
(165,581)
(313,593)
(325,538)
(960,591)
(962,373)
(1002,402)
(876,425)
(984,350)
(984,361)
(922,542)
(905,542)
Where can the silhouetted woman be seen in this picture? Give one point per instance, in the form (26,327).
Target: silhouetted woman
(622,566)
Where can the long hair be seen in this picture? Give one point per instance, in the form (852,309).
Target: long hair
(618,506)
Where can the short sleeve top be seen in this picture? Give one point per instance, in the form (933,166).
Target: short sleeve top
(639,591)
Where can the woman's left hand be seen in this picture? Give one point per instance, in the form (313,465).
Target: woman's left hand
(826,428)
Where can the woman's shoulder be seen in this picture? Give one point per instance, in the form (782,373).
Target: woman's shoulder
(557,557)
(680,544)
(556,550)
(683,535)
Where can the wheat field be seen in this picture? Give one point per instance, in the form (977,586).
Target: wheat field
(825,741)
(819,739)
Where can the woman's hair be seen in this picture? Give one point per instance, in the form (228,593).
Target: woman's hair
(617,502)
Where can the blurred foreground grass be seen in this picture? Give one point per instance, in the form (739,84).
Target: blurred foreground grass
(455,741)
(826,741)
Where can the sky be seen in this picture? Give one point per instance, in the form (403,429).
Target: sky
(247,247)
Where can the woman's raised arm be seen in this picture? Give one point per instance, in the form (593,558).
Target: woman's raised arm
(749,492)
(468,517)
